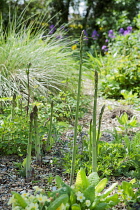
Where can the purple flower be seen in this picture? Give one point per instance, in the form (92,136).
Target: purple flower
(125,32)
(106,40)
(121,31)
(85,35)
(129,29)
(95,34)
(111,34)
(52,29)
(104,48)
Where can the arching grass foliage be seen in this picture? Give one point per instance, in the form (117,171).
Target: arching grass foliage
(48,56)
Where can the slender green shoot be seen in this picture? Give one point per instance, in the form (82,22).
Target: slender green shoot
(28,86)
(99,126)
(94,142)
(29,147)
(50,127)
(13,106)
(37,140)
(90,142)
(77,113)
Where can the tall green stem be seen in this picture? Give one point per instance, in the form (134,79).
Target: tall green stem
(29,147)
(90,142)
(28,85)
(94,143)
(50,127)
(13,105)
(77,113)
(99,127)
(37,140)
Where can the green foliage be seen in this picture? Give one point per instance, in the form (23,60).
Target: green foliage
(66,197)
(129,192)
(114,159)
(14,131)
(125,123)
(121,66)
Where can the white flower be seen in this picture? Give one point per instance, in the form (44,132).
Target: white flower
(80,196)
(120,192)
(24,195)
(88,203)
(12,200)
(31,198)
(129,198)
(42,198)
(37,189)
(32,206)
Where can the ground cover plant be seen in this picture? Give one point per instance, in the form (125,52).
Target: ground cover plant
(43,121)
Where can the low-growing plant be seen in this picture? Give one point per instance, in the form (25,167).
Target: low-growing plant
(129,193)
(129,97)
(126,123)
(87,193)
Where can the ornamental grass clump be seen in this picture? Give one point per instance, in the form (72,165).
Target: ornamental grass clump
(50,56)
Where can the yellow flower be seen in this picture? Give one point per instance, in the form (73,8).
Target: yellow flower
(74,47)
(101,28)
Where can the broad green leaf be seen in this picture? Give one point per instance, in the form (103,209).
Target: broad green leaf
(58,181)
(72,198)
(100,206)
(93,179)
(81,180)
(76,207)
(127,188)
(57,202)
(101,185)
(112,200)
(89,193)
(19,199)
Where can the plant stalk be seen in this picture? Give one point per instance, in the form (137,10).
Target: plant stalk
(99,126)
(50,127)
(37,140)
(94,142)
(77,112)
(29,147)
(13,105)
(28,85)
